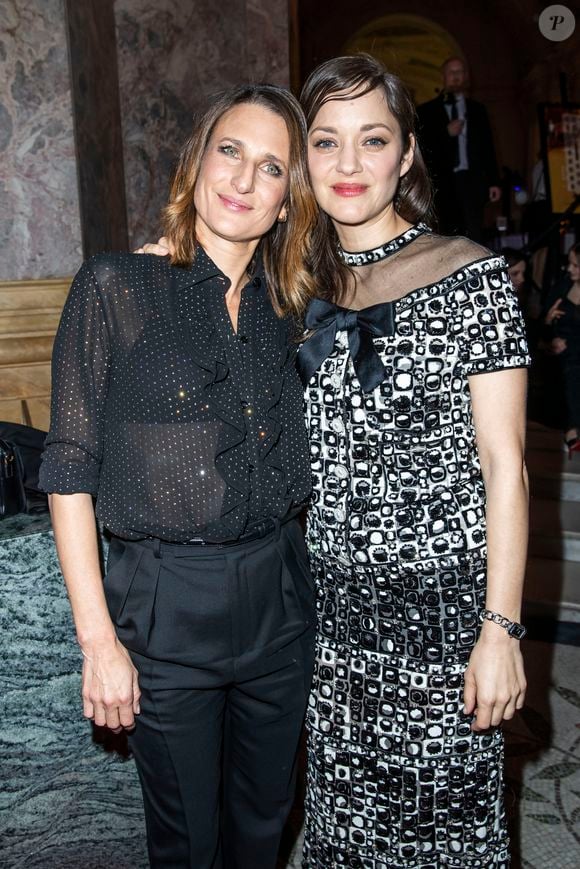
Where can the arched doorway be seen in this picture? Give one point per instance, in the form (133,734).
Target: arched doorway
(411,46)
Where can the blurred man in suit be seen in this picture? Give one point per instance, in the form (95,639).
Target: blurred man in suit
(455,136)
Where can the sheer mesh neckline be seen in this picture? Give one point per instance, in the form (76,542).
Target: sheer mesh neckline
(361,258)
(424,259)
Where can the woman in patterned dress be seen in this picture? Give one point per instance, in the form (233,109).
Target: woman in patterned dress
(415,395)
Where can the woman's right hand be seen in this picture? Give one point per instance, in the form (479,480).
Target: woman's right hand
(110,687)
(162,248)
(554,313)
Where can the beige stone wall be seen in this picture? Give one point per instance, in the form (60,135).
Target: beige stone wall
(29,315)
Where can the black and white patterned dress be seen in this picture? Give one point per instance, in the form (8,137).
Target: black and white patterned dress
(396,534)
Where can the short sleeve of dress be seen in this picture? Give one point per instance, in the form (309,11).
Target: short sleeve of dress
(490,326)
(80,365)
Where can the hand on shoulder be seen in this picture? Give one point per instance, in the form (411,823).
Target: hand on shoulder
(162,248)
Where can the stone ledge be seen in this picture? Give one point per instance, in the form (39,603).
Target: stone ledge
(29,315)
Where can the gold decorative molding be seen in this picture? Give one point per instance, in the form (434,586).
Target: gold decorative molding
(29,315)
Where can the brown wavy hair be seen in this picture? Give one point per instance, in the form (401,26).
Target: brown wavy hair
(286,247)
(343,78)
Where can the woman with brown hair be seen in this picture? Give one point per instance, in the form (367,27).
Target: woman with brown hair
(176,404)
(415,398)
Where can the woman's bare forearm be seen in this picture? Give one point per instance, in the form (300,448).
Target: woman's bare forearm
(75,532)
(110,687)
(506,484)
(499,402)
(495,683)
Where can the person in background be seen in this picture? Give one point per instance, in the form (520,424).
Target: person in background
(563,317)
(528,294)
(536,220)
(176,403)
(456,139)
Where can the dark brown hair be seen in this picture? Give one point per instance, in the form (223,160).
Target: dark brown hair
(286,247)
(513,256)
(343,78)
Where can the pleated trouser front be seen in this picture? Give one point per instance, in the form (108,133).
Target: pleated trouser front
(222,638)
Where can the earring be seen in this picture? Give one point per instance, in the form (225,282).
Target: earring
(283,216)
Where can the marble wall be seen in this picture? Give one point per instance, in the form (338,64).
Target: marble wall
(40,233)
(172,54)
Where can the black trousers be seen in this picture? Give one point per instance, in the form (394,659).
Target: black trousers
(222,638)
(571,372)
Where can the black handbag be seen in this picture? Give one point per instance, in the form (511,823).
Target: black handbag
(12,496)
(21,448)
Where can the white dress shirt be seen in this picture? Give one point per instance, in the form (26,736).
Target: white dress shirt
(463,163)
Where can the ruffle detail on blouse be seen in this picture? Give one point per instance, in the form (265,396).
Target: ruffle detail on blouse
(198,317)
(269,456)
(206,349)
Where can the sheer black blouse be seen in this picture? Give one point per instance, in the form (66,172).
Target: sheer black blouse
(180,427)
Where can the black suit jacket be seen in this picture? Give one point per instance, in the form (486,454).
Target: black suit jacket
(439,151)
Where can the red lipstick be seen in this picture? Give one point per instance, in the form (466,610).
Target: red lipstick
(349,189)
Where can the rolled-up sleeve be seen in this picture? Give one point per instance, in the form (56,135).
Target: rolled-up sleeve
(80,371)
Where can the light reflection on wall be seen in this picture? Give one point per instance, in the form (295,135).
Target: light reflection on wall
(411,46)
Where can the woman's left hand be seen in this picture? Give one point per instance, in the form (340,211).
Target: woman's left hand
(495,684)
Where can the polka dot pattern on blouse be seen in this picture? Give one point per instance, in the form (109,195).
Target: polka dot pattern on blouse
(181,427)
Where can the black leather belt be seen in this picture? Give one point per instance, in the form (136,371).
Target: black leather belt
(255,532)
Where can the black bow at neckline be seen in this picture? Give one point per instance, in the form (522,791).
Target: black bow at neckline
(325,319)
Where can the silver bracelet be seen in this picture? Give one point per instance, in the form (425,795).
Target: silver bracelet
(514,629)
